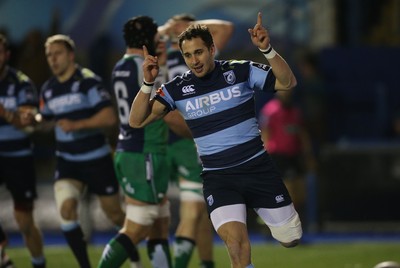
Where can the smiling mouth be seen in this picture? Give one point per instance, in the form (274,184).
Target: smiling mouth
(198,69)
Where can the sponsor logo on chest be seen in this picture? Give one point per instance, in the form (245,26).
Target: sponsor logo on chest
(206,104)
(63,101)
(9,102)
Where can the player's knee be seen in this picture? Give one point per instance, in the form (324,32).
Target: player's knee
(237,243)
(291,244)
(68,209)
(66,196)
(25,222)
(25,206)
(234,234)
(289,233)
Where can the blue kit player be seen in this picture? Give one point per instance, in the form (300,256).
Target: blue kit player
(75,102)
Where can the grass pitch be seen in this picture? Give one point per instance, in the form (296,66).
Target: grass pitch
(321,255)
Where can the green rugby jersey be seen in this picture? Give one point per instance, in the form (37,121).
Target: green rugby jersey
(127,78)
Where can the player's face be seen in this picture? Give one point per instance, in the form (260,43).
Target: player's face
(59,58)
(198,57)
(4,54)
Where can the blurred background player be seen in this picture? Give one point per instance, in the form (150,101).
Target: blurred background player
(75,102)
(18,104)
(194,226)
(140,158)
(288,142)
(5,261)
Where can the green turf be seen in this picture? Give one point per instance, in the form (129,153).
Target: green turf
(333,255)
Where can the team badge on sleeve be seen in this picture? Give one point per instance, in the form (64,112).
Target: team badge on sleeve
(210,200)
(230,77)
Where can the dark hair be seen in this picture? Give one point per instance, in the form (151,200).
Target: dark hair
(140,31)
(4,41)
(184,17)
(194,31)
(61,38)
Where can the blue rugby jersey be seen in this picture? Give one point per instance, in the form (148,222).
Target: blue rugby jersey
(81,96)
(219,110)
(127,78)
(16,89)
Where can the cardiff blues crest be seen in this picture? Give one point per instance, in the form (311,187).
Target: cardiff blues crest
(210,200)
(230,77)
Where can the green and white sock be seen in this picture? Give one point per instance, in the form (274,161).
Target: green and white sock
(159,253)
(183,249)
(117,251)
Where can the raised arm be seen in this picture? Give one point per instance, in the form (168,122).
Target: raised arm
(221,31)
(143,111)
(285,78)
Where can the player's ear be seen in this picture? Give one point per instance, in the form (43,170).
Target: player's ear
(213,50)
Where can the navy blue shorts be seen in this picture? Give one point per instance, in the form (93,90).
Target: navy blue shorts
(256,183)
(97,174)
(18,174)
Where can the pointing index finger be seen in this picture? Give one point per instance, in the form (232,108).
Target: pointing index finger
(259,18)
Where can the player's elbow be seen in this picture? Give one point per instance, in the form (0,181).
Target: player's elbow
(138,122)
(286,83)
(291,83)
(135,124)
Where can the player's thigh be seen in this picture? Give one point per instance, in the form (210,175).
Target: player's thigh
(192,210)
(110,203)
(99,175)
(18,174)
(227,214)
